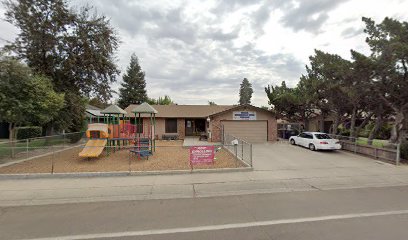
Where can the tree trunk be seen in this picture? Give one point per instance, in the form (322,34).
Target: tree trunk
(396,131)
(321,127)
(366,120)
(373,132)
(335,124)
(353,122)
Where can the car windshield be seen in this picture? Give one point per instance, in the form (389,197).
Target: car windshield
(322,136)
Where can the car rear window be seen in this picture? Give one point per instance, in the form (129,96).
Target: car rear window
(322,136)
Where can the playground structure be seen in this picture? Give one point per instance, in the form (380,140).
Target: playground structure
(145,140)
(115,130)
(98,135)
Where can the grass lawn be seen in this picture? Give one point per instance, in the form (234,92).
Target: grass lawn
(376,142)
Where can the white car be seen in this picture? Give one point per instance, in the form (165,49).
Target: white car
(315,141)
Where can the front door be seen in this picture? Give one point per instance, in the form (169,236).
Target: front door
(189,127)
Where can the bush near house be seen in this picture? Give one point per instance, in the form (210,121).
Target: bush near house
(29,132)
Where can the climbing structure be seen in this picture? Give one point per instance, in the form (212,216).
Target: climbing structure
(145,128)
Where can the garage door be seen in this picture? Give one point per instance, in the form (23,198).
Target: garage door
(250,131)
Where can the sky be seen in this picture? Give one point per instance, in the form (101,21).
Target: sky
(199,51)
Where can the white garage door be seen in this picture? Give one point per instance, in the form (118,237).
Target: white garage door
(250,131)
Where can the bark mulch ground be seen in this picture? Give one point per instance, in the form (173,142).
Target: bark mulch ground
(169,155)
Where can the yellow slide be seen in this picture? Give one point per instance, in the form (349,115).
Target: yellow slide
(93,148)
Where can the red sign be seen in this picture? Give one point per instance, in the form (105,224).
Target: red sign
(202,154)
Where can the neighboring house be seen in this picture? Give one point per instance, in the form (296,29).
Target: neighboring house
(93,113)
(247,122)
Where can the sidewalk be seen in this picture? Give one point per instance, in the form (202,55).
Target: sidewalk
(72,190)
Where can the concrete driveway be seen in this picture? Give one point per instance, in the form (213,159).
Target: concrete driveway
(282,159)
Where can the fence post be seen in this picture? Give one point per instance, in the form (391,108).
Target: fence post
(27,147)
(398,153)
(52,159)
(242,150)
(250,153)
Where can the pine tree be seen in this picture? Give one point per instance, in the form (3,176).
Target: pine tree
(245,92)
(133,90)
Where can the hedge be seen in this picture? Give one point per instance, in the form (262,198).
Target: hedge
(28,132)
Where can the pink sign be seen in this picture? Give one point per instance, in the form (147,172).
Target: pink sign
(202,154)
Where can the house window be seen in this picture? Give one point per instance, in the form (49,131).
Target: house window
(171,125)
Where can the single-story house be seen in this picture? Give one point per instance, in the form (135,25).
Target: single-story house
(247,122)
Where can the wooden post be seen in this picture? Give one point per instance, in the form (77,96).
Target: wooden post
(398,153)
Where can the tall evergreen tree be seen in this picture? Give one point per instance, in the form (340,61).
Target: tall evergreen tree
(245,92)
(133,90)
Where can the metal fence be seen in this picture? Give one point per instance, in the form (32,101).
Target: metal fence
(64,157)
(32,147)
(378,149)
(239,147)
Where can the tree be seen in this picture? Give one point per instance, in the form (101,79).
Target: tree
(166,100)
(26,98)
(96,102)
(245,92)
(293,104)
(74,49)
(133,90)
(212,103)
(388,42)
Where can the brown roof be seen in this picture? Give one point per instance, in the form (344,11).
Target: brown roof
(183,111)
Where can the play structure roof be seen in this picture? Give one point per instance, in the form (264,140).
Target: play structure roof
(144,108)
(113,109)
(98,127)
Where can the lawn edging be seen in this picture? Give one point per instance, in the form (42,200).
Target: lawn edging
(119,173)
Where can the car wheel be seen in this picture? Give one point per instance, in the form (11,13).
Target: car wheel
(292,142)
(312,147)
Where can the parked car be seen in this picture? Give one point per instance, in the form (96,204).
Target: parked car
(315,141)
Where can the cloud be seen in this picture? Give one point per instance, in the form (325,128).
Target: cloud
(351,32)
(308,15)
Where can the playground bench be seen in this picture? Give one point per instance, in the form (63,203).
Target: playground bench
(170,136)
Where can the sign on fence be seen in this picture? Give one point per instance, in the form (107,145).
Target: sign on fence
(202,154)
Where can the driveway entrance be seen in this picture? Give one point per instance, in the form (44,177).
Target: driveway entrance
(283,156)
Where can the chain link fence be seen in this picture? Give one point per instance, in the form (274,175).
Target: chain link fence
(34,147)
(239,147)
(63,154)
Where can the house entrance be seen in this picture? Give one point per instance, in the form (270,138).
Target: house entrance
(194,127)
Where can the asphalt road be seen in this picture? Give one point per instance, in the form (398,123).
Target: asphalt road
(366,213)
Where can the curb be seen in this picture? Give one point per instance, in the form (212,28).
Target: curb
(119,173)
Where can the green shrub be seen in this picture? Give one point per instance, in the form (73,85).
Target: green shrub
(28,132)
(384,132)
(74,137)
(404,150)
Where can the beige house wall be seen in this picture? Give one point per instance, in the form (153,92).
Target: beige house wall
(161,127)
(216,128)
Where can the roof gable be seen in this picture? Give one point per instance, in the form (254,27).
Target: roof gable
(113,109)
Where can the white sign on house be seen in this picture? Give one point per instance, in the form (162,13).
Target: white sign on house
(244,116)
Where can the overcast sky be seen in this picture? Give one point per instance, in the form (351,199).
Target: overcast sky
(196,51)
